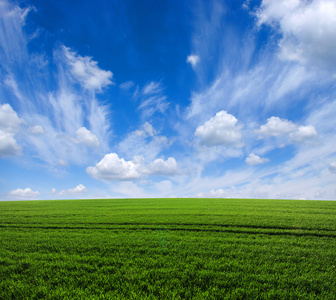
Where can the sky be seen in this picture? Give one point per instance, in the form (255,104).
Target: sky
(167,98)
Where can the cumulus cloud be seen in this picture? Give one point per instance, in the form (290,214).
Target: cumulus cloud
(86,71)
(253,160)
(24,194)
(9,120)
(9,125)
(162,167)
(8,145)
(111,167)
(87,138)
(222,129)
(303,133)
(79,189)
(308,29)
(193,60)
(276,126)
(332,167)
(282,127)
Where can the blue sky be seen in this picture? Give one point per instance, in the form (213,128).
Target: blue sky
(139,98)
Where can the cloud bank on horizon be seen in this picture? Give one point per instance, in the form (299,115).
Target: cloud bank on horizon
(168,99)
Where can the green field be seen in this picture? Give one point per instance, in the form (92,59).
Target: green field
(168,249)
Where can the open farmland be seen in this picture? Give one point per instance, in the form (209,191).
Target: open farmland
(168,249)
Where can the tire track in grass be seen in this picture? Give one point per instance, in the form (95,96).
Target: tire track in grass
(228,229)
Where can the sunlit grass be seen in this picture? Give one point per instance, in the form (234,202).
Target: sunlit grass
(168,249)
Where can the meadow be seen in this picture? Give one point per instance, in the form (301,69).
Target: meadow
(168,249)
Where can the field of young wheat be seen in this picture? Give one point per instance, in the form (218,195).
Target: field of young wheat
(168,249)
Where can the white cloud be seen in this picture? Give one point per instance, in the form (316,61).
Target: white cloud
(60,102)
(86,71)
(126,85)
(11,83)
(87,138)
(276,127)
(222,129)
(307,27)
(79,189)
(303,133)
(145,142)
(253,159)
(162,167)
(9,120)
(24,194)
(282,127)
(111,167)
(332,167)
(193,60)
(258,80)
(154,104)
(10,124)
(12,17)
(152,88)
(147,130)
(153,100)
(8,145)
(37,130)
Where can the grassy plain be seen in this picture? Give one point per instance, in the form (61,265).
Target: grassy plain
(168,249)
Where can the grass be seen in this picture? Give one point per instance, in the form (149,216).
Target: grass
(168,249)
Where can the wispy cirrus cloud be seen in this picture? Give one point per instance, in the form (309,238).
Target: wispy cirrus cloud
(126,85)
(254,117)
(152,88)
(64,121)
(145,141)
(256,84)
(153,100)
